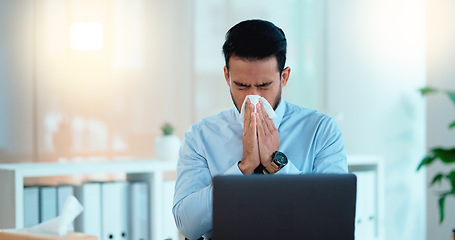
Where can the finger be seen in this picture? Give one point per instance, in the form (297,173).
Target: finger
(264,118)
(254,123)
(260,127)
(266,115)
(260,113)
(258,135)
(247,115)
(270,124)
(250,127)
(252,114)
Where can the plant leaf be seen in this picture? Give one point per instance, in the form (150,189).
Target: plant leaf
(427,160)
(441,207)
(442,199)
(451,177)
(437,178)
(451,96)
(167,129)
(452,125)
(446,155)
(427,90)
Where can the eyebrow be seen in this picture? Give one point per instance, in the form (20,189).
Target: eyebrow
(264,84)
(258,85)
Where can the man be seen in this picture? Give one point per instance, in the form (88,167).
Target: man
(297,141)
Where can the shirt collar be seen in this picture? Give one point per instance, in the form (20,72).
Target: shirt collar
(279,114)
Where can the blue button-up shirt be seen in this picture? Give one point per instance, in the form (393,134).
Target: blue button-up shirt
(311,141)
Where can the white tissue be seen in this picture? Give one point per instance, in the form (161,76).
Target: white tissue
(63,223)
(254,100)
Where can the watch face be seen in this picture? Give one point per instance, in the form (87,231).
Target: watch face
(281,159)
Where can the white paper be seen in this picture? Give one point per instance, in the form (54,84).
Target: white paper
(63,223)
(254,100)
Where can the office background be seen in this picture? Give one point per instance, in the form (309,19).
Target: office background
(160,61)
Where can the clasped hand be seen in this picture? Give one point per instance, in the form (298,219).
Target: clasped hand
(260,138)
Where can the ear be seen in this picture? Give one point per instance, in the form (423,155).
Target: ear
(285,76)
(226,76)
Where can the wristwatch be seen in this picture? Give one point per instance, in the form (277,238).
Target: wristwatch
(279,160)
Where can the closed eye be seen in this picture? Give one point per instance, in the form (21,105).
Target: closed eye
(264,85)
(241,86)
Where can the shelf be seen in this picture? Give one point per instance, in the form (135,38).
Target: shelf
(74,168)
(370,194)
(12,185)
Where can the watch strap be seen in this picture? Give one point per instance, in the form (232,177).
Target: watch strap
(271,168)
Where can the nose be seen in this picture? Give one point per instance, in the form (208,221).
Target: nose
(253,91)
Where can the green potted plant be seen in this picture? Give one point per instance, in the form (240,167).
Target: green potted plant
(167,146)
(445,155)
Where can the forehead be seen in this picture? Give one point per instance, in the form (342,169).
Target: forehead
(253,71)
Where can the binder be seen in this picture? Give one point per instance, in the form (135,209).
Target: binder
(139,211)
(47,203)
(89,221)
(170,229)
(114,210)
(31,206)
(366,205)
(63,191)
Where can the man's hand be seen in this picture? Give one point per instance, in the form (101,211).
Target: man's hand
(250,158)
(268,138)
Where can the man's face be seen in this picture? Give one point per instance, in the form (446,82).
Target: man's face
(255,77)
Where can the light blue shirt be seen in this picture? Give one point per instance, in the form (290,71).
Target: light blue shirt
(311,141)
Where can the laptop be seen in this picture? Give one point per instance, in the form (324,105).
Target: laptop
(311,207)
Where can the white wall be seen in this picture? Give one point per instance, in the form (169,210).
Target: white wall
(440,111)
(302,22)
(375,62)
(16,81)
(58,103)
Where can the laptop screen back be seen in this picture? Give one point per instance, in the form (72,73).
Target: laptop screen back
(312,206)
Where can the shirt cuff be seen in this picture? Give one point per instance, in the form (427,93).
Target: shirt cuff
(289,169)
(234,170)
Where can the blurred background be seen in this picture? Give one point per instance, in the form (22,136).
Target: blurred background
(94,80)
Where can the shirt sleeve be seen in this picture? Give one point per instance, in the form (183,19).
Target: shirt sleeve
(234,170)
(289,169)
(330,156)
(193,189)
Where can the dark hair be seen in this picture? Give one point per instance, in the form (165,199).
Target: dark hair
(255,40)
